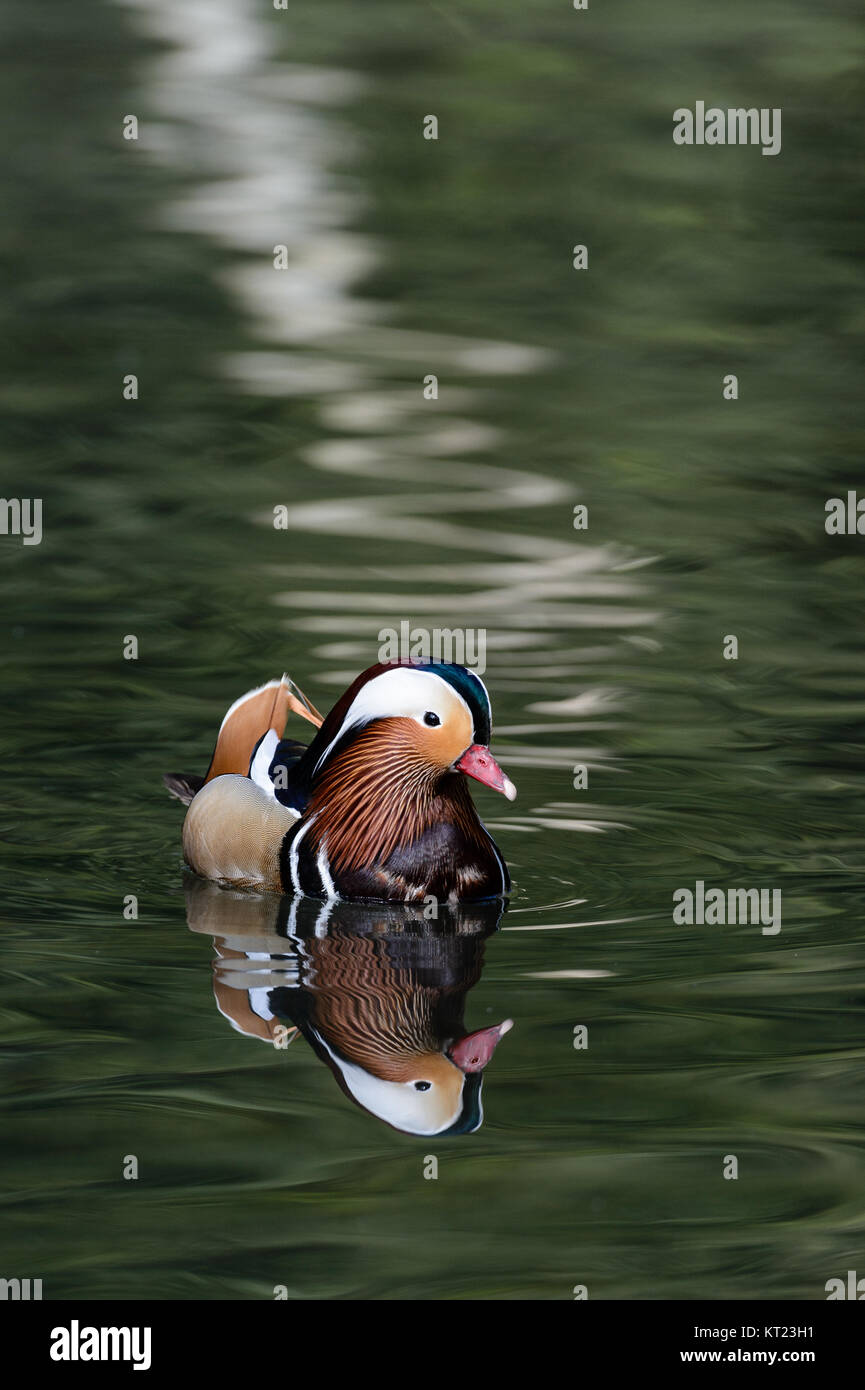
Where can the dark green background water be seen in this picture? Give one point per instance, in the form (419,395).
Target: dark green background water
(259,388)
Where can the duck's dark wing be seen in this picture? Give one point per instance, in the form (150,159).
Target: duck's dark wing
(290,790)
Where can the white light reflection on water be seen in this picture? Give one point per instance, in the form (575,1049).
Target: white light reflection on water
(261,142)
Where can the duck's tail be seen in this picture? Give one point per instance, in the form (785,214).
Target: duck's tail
(247,721)
(183,785)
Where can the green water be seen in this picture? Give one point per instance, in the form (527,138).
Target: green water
(302,388)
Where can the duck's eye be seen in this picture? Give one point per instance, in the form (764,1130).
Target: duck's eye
(431,718)
(422,1085)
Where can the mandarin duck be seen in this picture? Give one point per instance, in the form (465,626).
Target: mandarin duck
(376,807)
(377,991)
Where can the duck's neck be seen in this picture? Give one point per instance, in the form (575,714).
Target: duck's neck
(368,801)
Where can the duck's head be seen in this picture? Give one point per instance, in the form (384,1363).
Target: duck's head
(428,719)
(420,1092)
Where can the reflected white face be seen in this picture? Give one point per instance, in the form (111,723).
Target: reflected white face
(427,699)
(428,1104)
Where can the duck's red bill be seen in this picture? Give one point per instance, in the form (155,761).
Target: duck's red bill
(478,762)
(473,1051)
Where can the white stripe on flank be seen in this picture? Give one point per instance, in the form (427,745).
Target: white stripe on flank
(323,866)
(293,868)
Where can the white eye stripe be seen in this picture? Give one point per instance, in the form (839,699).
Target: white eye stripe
(401,693)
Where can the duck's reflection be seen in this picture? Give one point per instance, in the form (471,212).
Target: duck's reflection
(377,990)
